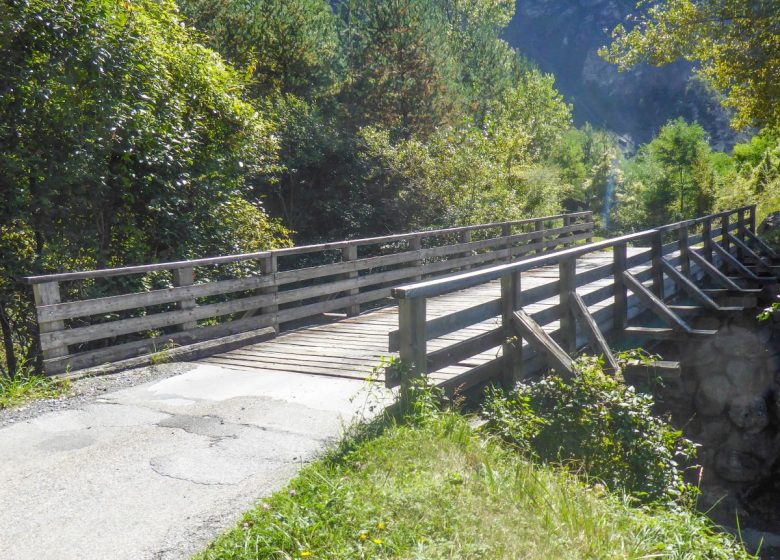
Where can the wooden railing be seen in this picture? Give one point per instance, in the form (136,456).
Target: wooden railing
(91,318)
(660,252)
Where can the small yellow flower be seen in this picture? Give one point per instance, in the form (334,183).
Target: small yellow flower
(305,553)
(376,541)
(380,525)
(363,535)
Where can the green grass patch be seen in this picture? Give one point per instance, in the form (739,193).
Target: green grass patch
(25,388)
(436,488)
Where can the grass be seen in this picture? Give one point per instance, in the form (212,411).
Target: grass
(24,388)
(439,489)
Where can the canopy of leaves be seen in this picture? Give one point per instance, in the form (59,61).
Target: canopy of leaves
(736,42)
(122,141)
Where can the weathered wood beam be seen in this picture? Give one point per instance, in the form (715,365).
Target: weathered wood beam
(527,328)
(713,272)
(695,292)
(740,268)
(771,253)
(655,304)
(597,340)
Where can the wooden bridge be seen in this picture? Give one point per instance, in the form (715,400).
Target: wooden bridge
(489,301)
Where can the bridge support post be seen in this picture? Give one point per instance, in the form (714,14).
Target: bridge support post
(413,346)
(706,236)
(506,231)
(269,266)
(185,277)
(685,259)
(48,293)
(752,220)
(349,253)
(512,347)
(656,256)
(589,218)
(740,232)
(620,307)
(465,237)
(568,284)
(724,231)
(539,226)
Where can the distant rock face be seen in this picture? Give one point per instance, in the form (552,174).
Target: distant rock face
(563,37)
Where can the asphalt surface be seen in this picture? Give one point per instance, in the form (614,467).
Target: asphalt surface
(157,470)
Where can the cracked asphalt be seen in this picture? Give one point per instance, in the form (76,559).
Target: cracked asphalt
(157,470)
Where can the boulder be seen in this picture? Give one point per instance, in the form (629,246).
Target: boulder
(737,466)
(713,395)
(749,413)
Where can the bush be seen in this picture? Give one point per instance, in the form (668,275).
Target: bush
(596,426)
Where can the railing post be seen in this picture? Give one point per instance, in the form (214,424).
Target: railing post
(685,260)
(589,219)
(465,237)
(539,226)
(269,266)
(413,346)
(565,235)
(415,244)
(706,236)
(48,293)
(506,231)
(741,231)
(619,266)
(512,347)
(185,277)
(752,221)
(724,231)
(349,254)
(656,256)
(567,272)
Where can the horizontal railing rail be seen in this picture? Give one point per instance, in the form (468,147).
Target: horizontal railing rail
(695,246)
(95,317)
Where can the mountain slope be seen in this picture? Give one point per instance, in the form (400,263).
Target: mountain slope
(563,36)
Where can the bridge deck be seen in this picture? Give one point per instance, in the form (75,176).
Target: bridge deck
(353,347)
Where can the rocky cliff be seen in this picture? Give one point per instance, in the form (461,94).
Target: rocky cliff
(563,36)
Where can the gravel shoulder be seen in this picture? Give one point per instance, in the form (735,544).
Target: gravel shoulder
(86,389)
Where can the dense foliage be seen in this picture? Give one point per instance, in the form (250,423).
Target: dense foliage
(596,426)
(123,141)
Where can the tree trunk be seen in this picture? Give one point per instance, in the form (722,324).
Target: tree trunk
(8,343)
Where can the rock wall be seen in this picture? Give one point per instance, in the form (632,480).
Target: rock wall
(728,401)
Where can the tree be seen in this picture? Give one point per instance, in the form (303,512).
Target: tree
(736,42)
(121,141)
(671,177)
(401,72)
(287,46)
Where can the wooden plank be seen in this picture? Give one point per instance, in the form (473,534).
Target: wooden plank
(48,293)
(529,330)
(689,287)
(771,253)
(595,336)
(620,309)
(185,277)
(137,348)
(656,257)
(652,302)
(661,333)
(474,376)
(412,348)
(453,322)
(349,253)
(511,350)
(740,268)
(456,353)
(568,322)
(713,272)
(748,252)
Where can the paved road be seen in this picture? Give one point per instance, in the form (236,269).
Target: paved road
(157,470)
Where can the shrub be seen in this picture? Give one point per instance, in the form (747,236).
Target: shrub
(596,426)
